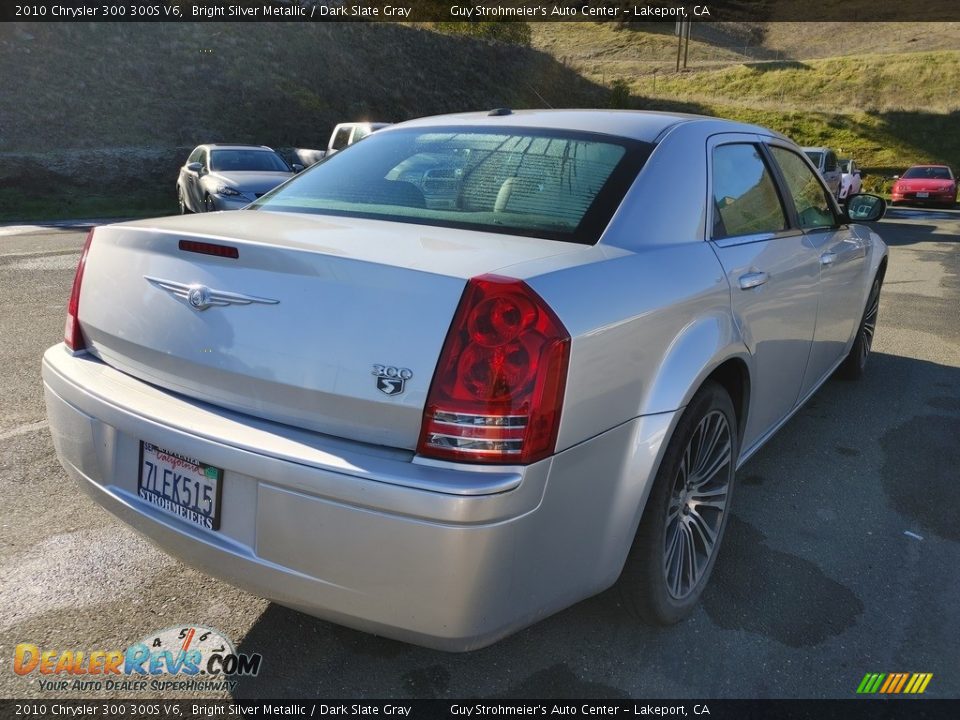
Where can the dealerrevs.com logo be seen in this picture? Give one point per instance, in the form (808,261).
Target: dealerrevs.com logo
(183,658)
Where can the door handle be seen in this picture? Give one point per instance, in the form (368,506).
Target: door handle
(753,279)
(828,258)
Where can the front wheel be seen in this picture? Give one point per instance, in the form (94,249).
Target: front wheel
(855,364)
(686,514)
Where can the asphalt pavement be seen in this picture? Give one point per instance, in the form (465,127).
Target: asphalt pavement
(840,558)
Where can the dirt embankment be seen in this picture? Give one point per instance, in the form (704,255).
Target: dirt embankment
(112,109)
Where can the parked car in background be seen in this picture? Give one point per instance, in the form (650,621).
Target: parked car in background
(228,177)
(924,184)
(346,134)
(825,160)
(851,181)
(443,422)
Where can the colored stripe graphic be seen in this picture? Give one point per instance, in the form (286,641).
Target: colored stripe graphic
(894,683)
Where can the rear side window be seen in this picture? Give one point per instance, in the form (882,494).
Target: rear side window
(745,197)
(544,183)
(341,139)
(809,195)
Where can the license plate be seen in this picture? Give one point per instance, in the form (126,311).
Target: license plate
(923,195)
(180,485)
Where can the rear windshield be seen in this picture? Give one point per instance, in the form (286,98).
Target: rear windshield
(928,173)
(815,157)
(540,183)
(239,160)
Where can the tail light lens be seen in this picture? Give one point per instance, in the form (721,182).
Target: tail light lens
(72,335)
(498,389)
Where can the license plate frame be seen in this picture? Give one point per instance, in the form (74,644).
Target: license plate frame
(165,477)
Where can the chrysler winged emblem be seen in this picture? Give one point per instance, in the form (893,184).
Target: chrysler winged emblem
(200,297)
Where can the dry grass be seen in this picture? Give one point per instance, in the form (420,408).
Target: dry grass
(865,83)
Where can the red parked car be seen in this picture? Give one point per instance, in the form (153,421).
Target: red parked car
(926,184)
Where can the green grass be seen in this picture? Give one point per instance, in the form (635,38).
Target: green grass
(17,206)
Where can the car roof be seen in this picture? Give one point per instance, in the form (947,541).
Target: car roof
(928,165)
(645,125)
(811,148)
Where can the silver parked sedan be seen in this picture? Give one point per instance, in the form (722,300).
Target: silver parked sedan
(469,371)
(229,177)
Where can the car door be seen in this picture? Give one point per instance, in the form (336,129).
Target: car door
(842,258)
(841,255)
(773,274)
(189,180)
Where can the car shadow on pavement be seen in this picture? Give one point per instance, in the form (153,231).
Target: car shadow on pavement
(790,587)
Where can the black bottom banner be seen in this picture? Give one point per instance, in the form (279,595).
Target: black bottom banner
(886,709)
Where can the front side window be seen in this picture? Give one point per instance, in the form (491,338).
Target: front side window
(809,196)
(195,155)
(744,195)
(816,158)
(831,162)
(541,183)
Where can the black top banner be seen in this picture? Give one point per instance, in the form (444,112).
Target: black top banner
(464,709)
(619,11)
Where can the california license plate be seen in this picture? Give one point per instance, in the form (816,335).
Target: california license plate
(180,485)
(923,195)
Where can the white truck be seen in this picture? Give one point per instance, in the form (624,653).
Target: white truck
(343,135)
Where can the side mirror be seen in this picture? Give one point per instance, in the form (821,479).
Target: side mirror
(194,167)
(297,167)
(865,208)
(895,177)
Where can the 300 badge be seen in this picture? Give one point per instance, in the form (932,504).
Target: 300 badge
(391,380)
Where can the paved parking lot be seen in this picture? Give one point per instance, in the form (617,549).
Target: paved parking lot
(840,558)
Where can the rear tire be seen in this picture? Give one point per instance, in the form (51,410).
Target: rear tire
(855,364)
(686,514)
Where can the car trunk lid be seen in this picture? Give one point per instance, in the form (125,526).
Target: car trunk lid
(324,323)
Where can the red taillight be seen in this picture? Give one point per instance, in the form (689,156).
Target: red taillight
(72,335)
(498,388)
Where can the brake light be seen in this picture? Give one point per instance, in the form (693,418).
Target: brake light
(72,334)
(498,389)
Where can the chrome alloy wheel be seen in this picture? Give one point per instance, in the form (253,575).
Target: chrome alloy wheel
(697,504)
(869,324)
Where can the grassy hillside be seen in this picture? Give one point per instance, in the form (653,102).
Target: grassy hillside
(819,83)
(926,81)
(609,50)
(96,118)
(159,84)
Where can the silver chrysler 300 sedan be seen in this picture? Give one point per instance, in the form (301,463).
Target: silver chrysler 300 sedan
(469,371)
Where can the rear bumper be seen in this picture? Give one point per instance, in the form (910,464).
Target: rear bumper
(444,555)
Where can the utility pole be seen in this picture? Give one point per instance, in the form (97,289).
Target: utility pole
(679,42)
